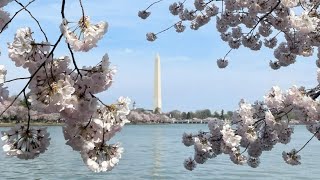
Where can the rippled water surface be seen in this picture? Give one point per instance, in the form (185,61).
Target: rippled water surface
(156,152)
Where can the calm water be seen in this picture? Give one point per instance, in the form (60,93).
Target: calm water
(156,152)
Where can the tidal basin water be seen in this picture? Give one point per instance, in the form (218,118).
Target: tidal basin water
(156,152)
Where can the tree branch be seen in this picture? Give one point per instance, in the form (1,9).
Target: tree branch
(15,16)
(34,19)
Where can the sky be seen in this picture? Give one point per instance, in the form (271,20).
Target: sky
(191,79)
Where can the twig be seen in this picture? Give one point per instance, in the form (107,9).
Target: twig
(153,4)
(82,10)
(308,141)
(29,117)
(63,3)
(245,149)
(227,54)
(98,99)
(73,60)
(168,28)
(278,3)
(45,36)
(16,79)
(15,16)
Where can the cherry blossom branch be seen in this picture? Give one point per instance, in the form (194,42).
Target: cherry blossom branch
(98,99)
(28,107)
(47,90)
(314,93)
(308,141)
(82,10)
(63,3)
(83,20)
(16,79)
(301,5)
(74,61)
(33,75)
(245,150)
(5,25)
(227,53)
(41,44)
(167,28)
(90,120)
(205,5)
(153,4)
(264,16)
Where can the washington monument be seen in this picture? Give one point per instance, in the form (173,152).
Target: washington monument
(3,73)
(157,86)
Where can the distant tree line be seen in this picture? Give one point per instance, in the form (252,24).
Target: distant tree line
(200,114)
(142,116)
(18,113)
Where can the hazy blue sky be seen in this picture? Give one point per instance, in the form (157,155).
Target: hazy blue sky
(190,77)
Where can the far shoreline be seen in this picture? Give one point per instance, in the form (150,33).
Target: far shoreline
(31,124)
(61,124)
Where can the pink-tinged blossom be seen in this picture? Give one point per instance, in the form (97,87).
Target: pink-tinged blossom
(230,139)
(151,36)
(237,158)
(176,8)
(274,65)
(25,142)
(274,98)
(179,27)
(187,139)
(90,34)
(24,52)
(304,23)
(199,5)
(291,157)
(253,162)
(102,157)
(222,63)
(190,164)
(212,10)
(144,14)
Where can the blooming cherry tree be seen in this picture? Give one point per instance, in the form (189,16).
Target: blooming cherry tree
(258,127)
(255,128)
(252,24)
(58,85)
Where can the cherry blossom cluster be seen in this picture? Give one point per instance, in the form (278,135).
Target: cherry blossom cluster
(25,142)
(88,34)
(255,128)
(253,24)
(55,87)
(23,51)
(88,135)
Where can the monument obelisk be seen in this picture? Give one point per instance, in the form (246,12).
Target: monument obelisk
(157,86)
(3,73)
